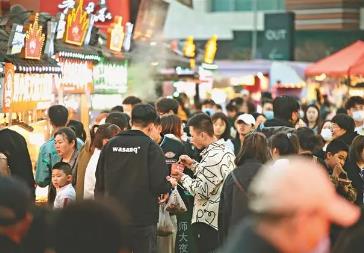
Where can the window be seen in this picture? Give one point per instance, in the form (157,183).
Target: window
(246,5)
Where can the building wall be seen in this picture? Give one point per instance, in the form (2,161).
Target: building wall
(326,14)
(201,23)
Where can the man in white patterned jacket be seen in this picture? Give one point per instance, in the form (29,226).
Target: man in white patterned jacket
(217,162)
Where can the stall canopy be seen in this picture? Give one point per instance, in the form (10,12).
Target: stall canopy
(286,75)
(340,63)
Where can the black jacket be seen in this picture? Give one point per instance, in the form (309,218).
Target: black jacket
(172,150)
(246,239)
(353,171)
(14,146)
(347,138)
(132,169)
(274,126)
(234,202)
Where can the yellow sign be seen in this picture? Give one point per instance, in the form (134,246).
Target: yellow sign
(22,92)
(115,35)
(77,25)
(210,50)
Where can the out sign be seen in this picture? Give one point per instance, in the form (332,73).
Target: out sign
(276,34)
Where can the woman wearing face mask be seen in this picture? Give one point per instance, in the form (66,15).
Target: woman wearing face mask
(222,129)
(100,135)
(312,117)
(325,131)
(267,108)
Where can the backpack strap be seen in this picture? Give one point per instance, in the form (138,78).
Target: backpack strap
(237,183)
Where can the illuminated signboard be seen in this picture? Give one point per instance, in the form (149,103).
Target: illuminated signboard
(77,25)
(34,40)
(76,76)
(22,92)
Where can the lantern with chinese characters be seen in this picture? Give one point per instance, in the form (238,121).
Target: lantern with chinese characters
(115,35)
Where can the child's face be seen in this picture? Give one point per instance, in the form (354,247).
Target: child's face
(60,179)
(337,159)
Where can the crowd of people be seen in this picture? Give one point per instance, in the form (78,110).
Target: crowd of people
(269,176)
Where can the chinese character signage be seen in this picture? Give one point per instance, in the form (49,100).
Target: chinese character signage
(77,25)
(34,40)
(110,78)
(23,92)
(278,41)
(76,76)
(16,39)
(115,35)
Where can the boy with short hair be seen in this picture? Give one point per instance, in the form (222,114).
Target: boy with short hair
(335,157)
(62,181)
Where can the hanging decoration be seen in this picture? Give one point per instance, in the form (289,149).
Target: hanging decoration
(77,25)
(115,35)
(34,40)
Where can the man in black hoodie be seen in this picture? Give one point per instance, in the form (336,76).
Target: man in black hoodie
(133,170)
(286,115)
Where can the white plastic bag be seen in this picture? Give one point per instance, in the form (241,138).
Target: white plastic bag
(165,225)
(175,203)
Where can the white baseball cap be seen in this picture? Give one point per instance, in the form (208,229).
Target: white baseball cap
(246,118)
(294,184)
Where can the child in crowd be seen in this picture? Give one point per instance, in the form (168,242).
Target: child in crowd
(62,181)
(335,158)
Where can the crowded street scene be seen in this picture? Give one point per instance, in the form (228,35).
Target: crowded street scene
(181,126)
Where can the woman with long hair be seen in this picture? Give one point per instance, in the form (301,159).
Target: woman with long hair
(312,117)
(222,129)
(234,199)
(100,135)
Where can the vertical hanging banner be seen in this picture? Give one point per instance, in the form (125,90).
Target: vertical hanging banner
(8,86)
(278,40)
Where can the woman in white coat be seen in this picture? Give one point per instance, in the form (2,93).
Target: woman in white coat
(100,135)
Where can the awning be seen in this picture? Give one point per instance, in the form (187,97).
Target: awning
(45,65)
(87,53)
(284,76)
(340,63)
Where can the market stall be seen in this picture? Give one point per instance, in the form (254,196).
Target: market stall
(110,75)
(27,90)
(76,60)
(338,72)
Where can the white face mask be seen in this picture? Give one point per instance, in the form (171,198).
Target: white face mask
(326,134)
(358,115)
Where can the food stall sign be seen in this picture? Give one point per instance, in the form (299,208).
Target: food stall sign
(34,40)
(22,92)
(77,26)
(77,76)
(110,78)
(115,35)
